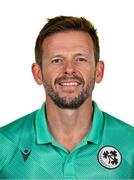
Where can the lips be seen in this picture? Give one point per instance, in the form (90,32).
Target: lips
(69,84)
(69,81)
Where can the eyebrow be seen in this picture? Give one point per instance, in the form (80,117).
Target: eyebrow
(81,54)
(57,56)
(77,54)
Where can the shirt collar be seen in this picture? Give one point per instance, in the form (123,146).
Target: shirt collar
(44,136)
(95,132)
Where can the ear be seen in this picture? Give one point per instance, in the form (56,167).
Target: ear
(99,71)
(36,70)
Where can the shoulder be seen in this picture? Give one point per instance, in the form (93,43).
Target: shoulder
(116,122)
(17,125)
(11,136)
(12,132)
(118,127)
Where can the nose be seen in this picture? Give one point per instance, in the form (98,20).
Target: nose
(69,68)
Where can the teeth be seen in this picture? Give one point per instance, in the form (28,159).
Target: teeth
(70,84)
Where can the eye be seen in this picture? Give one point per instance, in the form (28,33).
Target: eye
(56,61)
(81,59)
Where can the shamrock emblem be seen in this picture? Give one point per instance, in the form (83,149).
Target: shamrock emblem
(109,157)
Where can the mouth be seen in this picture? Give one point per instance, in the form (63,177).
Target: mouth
(69,84)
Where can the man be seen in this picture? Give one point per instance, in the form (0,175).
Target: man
(69,137)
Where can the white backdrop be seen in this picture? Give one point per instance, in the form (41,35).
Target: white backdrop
(20,23)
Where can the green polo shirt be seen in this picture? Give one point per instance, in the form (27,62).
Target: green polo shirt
(28,150)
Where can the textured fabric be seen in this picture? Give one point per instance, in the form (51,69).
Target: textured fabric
(28,150)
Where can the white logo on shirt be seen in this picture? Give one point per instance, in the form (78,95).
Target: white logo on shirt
(109,157)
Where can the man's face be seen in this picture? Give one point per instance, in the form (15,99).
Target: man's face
(68,68)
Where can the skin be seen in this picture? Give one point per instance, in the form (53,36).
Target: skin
(68,53)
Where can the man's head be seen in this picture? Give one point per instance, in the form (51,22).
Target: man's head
(62,24)
(67,56)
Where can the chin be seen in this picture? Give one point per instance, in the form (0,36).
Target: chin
(69,98)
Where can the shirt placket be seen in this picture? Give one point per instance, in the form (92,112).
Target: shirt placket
(69,169)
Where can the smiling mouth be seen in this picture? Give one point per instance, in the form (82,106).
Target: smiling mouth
(69,84)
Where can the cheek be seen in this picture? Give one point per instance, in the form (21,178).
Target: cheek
(50,75)
(88,73)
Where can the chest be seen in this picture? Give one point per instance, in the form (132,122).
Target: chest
(49,162)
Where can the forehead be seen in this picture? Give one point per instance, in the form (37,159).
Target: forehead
(68,41)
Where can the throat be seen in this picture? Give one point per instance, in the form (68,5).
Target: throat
(69,126)
(69,145)
(70,141)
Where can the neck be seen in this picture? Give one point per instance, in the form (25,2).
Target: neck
(69,126)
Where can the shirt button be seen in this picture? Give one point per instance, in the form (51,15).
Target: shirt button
(69,159)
